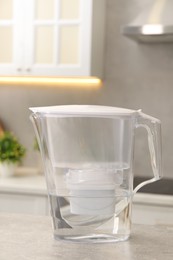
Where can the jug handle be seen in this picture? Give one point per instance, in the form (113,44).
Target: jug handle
(153,127)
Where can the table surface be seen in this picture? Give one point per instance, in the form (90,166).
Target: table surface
(24,237)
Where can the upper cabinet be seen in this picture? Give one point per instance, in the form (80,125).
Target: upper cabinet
(52,37)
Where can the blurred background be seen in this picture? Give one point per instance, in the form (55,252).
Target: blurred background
(134,75)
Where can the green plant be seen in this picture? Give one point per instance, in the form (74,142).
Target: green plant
(11,151)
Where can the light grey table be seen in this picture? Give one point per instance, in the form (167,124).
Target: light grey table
(24,237)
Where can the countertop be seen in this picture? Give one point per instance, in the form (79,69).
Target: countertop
(30,237)
(25,181)
(28,181)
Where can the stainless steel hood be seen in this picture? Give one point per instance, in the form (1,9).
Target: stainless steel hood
(154,24)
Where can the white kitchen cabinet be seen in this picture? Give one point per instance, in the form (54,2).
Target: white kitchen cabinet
(152,209)
(24,203)
(24,193)
(52,37)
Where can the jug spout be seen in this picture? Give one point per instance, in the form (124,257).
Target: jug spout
(35,119)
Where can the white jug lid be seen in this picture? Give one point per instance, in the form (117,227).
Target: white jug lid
(84,110)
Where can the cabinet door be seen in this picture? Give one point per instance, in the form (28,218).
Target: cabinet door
(58,39)
(152,215)
(51,37)
(11,43)
(23,203)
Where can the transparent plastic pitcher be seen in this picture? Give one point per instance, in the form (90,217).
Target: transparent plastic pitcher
(87,152)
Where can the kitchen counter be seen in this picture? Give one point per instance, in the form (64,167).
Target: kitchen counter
(30,237)
(25,181)
(28,180)
(26,193)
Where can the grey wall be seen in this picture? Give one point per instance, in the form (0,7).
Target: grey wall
(136,76)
